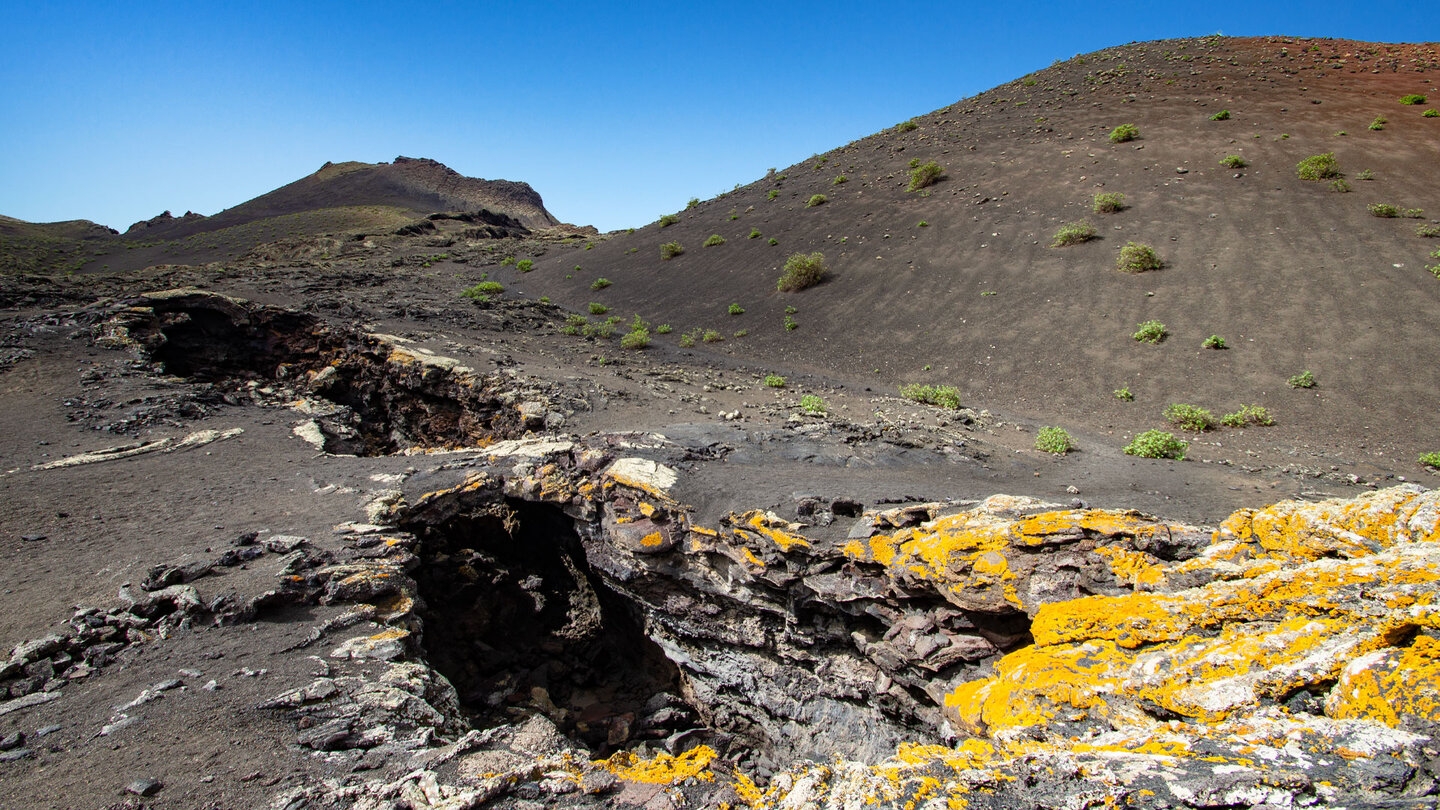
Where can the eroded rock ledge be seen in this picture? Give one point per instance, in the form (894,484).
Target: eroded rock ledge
(1011,653)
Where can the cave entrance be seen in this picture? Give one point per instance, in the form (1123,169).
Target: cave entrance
(517,622)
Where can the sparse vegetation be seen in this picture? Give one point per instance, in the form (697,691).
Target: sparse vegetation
(1383,210)
(1379,123)
(1223,115)
(1123,133)
(670,250)
(1318,167)
(1073,233)
(840,179)
(687,340)
(1107,202)
(1233,162)
(1431,460)
(694,201)
(771,194)
(636,338)
(754,233)
(1124,395)
(1137,258)
(524,265)
(1302,380)
(817,199)
(481,292)
(774,241)
(1339,186)
(711,336)
(1150,332)
(600,283)
(663,329)
(507,261)
(1431,114)
(574,324)
(774,381)
(925,174)
(1214,342)
(1412,98)
(1054,440)
(813,405)
(1157,444)
(1431,231)
(736,309)
(713,240)
(1248,415)
(941,396)
(906,126)
(598,308)
(1189,417)
(922,224)
(801,271)
(1365,175)
(1413,213)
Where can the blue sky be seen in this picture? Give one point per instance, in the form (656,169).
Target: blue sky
(114,112)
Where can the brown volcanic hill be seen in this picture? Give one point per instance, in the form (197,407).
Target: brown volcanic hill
(958,284)
(417,186)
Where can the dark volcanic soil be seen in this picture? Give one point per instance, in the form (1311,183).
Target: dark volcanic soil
(1293,277)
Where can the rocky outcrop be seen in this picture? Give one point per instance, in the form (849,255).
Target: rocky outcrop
(163,221)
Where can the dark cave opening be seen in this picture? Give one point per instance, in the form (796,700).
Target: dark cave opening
(518,623)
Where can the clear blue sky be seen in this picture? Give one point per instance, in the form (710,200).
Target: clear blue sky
(116,111)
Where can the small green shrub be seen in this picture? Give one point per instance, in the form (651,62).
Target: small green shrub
(790,324)
(817,199)
(1137,258)
(801,271)
(922,224)
(1431,231)
(1383,210)
(1189,417)
(694,201)
(1379,123)
(771,194)
(739,333)
(1150,332)
(663,329)
(906,126)
(1073,233)
(711,336)
(1412,98)
(926,174)
(1214,342)
(1302,380)
(790,310)
(1431,460)
(736,309)
(1413,213)
(598,309)
(1431,114)
(507,261)
(774,241)
(670,250)
(574,324)
(1124,395)
(774,381)
(635,339)
(1318,167)
(1233,162)
(1123,133)
(812,405)
(839,180)
(913,162)
(1223,115)
(1107,202)
(1157,444)
(941,396)
(1339,186)
(1248,415)
(1054,440)
(754,233)
(484,288)
(524,265)
(687,340)
(713,240)
(600,283)
(1365,175)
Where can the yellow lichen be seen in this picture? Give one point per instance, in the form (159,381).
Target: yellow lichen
(1388,685)
(662,769)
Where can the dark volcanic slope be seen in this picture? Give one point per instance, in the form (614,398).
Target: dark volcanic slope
(958,284)
(416,185)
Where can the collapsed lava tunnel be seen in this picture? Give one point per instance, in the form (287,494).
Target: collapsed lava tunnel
(374,398)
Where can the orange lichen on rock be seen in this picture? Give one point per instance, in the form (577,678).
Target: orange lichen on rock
(770,526)
(1299,531)
(662,769)
(1390,685)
